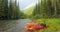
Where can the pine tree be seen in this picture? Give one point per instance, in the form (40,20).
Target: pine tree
(3,9)
(37,9)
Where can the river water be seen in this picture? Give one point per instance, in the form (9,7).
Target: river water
(13,25)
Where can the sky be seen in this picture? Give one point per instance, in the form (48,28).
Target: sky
(26,3)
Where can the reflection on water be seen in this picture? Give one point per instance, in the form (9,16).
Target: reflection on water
(13,25)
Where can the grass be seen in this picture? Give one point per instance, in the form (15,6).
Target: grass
(54,25)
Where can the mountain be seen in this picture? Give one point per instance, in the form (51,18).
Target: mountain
(29,9)
(25,3)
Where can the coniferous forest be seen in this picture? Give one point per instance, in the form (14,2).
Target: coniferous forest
(43,17)
(10,10)
(47,9)
(44,9)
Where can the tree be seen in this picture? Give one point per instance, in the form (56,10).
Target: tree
(37,9)
(15,12)
(47,8)
(3,9)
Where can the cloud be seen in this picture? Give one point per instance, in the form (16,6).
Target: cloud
(32,4)
(26,3)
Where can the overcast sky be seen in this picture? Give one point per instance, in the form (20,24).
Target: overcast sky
(25,3)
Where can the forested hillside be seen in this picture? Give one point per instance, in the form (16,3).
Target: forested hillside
(47,9)
(10,10)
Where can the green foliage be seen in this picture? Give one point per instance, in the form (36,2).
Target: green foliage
(10,10)
(22,15)
(47,9)
(29,11)
(36,17)
(36,10)
(15,11)
(53,23)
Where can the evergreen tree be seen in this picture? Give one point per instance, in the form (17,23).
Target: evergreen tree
(47,8)
(37,10)
(3,9)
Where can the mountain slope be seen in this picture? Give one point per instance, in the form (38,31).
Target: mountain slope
(29,11)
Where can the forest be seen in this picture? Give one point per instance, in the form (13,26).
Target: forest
(10,10)
(43,17)
(47,9)
(44,9)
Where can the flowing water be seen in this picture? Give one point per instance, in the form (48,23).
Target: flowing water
(13,25)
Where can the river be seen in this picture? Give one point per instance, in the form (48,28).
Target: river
(13,25)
